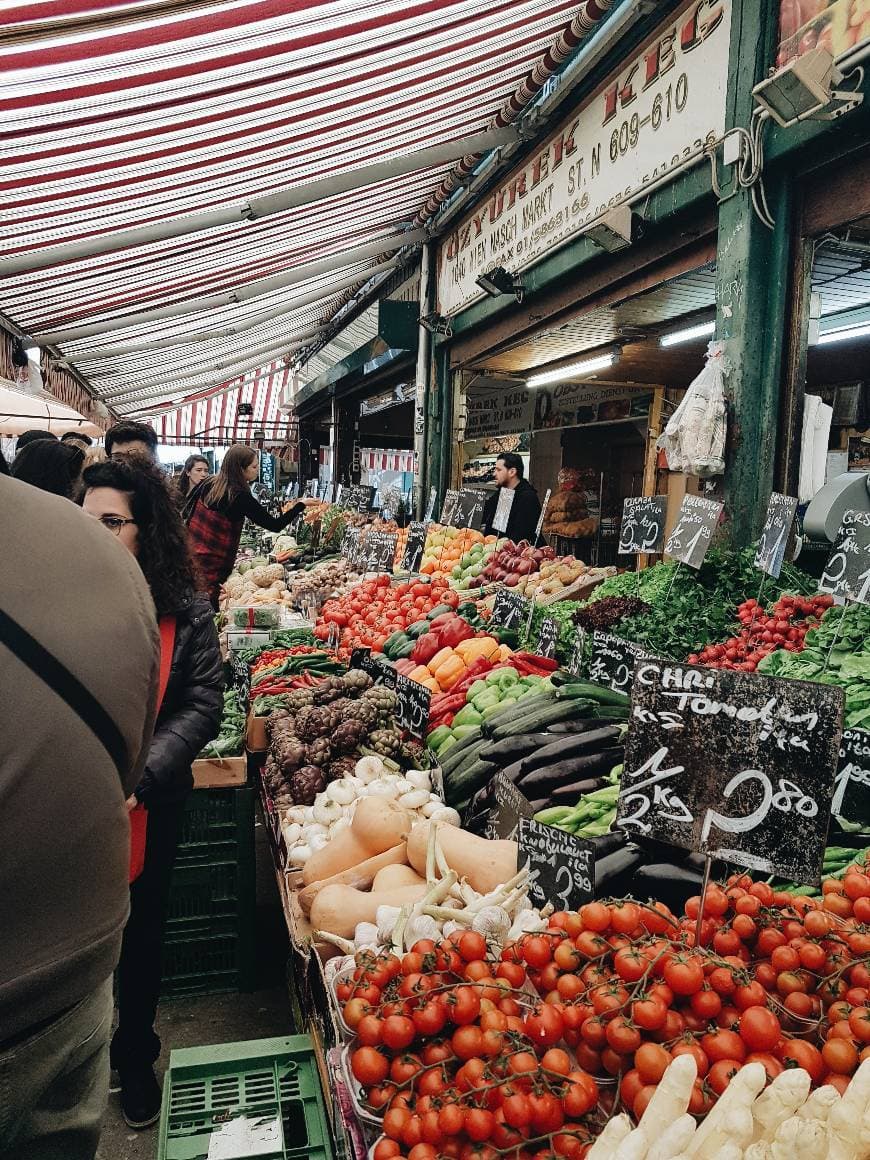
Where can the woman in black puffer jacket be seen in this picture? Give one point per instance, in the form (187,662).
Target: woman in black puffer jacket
(130,497)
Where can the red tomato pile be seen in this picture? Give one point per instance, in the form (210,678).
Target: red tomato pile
(461,1066)
(784,626)
(375,609)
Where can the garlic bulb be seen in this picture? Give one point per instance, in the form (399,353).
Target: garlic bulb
(381,787)
(292,832)
(421,926)
(419,779)
(340,792)
(493,923)
(326,811)
(386,917)
(317,841)
(365,935)
(299,855)
(445,814)
(368,768)
(413,800)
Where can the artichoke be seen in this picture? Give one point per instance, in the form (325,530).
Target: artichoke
(348,737)
(289,752)
(384,700)
(313,723)
(357,681)
(299,699)
(340,767)
(306,783)
(329,689)
(362,710)
(386,742)
(319,752)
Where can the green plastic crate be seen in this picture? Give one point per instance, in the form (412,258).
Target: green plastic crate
(210,890)
(214,958)
(218,825)
(207,1086)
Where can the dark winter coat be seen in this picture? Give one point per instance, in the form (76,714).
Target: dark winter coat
(191,711)
(525,512)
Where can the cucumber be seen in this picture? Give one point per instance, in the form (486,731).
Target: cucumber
(587,691)
(457,751)
(469,782)
(542,781)
(543,715)
(574,745)
(510,712)
(514,748)
(469,757)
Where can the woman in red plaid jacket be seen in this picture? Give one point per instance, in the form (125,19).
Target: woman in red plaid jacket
(216,511)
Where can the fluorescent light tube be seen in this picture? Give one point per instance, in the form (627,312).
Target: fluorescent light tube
(574,370)
(687,334)
(844,333)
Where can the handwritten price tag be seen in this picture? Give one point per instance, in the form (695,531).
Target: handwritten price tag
(774,535)
(847,573)
(561,866)
(643,525)
(697,521)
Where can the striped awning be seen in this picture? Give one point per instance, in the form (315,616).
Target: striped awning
(125,115)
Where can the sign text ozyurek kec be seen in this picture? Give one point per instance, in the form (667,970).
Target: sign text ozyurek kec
(656,112)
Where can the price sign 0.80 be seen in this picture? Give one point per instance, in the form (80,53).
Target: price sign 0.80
(734,765)
(847,573)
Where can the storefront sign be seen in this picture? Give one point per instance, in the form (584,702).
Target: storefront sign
(734,765)
(847,573)
(561,866)
(503,509)
(490,413)
(613,661)
(851,800)
(781,511)
(645,121)
(643,525)
(697,521)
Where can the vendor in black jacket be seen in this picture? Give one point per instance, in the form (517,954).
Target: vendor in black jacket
(526,509)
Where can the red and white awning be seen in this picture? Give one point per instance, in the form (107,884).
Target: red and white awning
(121,114)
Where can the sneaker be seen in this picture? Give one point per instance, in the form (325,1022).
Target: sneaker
(140,1096)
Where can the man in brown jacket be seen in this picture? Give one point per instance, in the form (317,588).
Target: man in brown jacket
(78,678)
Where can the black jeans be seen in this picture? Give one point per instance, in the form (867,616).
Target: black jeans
(135,1042)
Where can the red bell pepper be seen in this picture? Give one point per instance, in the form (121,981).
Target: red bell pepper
(454,631)
(443,619)
(531,664)
(426,647)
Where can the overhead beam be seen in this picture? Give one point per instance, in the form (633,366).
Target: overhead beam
(245,293)
(259,207)
(198,336)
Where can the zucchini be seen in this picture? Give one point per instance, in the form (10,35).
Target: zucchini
(577,725)
(510,712)
(471,755)
(543,715)
(458,750)
(565,795)
(469,782)
(514,748)
(541,781)
(587,691)
(574,745)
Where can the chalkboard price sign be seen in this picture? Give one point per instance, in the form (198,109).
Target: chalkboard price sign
(548,637)
(851,800)
(358,498)
(508,609)
(774,535)
(847,572)
(693,531)
(561,866)
(377,669)
(241,680)
(350,545)
(643,524)
(390,501)
(503,509)
(469,508)
(509,806)
(613,661)
(734,765)
(380,551)
(449,507)
(412,707)
(578,651)
(414,546)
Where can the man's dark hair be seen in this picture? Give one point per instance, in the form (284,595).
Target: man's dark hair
(77,437)
(131,432)
(163,553)
(510,460)
(30,436)
(50,465)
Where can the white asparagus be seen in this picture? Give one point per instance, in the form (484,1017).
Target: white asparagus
(735,1132)
(738,1096)
(759,1151)
(779,1102)
(671,1097)
(675,1139)
(844,1121)
(807,1139)
(633,1147)
(613,1134)
(819,1103)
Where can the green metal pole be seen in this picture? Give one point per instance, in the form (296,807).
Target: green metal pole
(752,276)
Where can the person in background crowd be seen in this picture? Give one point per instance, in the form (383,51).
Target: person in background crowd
(77,439)
(196,469)
(4,466)
(95,454)
(132,501)
(50,465)
(130,438)
(29,436)
(71,750)
(216,510)
(526,509)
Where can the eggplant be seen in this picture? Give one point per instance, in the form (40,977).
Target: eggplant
(579,725)
(544,780)
(669,883)
(541,804)
(565,795)
(515,748)
(608,843)
(613,867)
(573,746)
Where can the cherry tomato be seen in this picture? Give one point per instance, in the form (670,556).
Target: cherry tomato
(723,1044)
(684,975)
(760,1029)
(398,1032)
(369,1066)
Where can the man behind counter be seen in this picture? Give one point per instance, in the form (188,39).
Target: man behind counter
(526,508)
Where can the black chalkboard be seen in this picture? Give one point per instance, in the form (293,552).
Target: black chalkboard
(449,507)
(548,637)
(377,667)
(697,521)
(430,506)
(469,508)
(561,866)
(736,765)
(350,544)
(412,706)
(612,662)
(578,650)
(643,524)
(241,680)
(847,572)
(509,805)
(851,800)
(390,501)
(508,609)
(380,551)
(781,511)
(358,498)
(414,546)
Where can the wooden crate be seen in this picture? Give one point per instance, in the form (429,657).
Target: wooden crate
(218,773)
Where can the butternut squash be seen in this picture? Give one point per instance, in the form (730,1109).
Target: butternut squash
(338,909)
(396,875)
(377,825)
(485,864)
(362,876)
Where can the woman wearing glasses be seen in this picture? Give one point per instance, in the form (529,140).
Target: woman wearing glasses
(131,500)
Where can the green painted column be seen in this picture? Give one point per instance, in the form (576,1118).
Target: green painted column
(439,405)
(752,277)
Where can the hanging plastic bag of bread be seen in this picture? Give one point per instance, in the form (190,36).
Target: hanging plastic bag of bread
(694,439)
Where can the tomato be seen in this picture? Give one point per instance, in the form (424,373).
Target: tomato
(785,958)
(723,1044)
(451,1119)
(570,987)
(769,939)
(369,1066)
(386,1149)
(859,1024)
(812,956)
(537,951)
(630,964)
(624,917)
(398,1032)
(706,1003)
(606,999)
(430,1018)
(651,1061)
(395,1121)
(479,1124)
(590,944)
(744,926)
(594,1032)
(368,1030)
(840,1056)
(760,1029)
(649,1013)
(355,1010)
(642,1099)
(412,1133)
(700,1100)
(622,1035)
(595,915)
(721,1074)
(545,1026)
(684,974)
(769,1062)
(437,1052)
(463,1005)
(432,1082)
(405,1067)
(512,973)
(471,945)
(517,1111)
